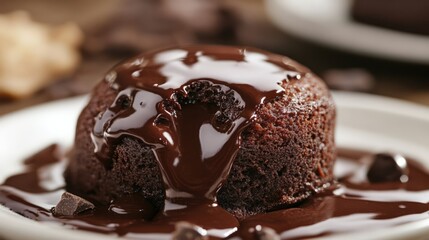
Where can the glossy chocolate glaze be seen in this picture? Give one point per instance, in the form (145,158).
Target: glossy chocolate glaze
(354,203)
(195,138)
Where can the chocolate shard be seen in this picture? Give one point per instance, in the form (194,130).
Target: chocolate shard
(388,168)
(265,233)
(71,205)
(189,231)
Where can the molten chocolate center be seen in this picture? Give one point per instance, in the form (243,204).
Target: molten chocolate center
(191,106)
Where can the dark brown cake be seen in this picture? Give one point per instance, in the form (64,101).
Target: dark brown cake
(286,153)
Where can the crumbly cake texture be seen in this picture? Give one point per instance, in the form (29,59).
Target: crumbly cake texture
(286,154)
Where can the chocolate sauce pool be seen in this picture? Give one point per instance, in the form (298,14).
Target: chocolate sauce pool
(352,205)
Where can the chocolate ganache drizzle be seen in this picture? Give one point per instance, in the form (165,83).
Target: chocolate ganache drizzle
(191,106)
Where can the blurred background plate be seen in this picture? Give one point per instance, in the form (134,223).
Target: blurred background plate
(328,22)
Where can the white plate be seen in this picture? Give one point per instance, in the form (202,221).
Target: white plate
(328,22)
(364,121)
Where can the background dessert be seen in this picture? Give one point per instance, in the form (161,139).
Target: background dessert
(34,54)
(406,16)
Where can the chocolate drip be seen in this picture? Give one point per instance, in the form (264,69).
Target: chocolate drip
(191,105)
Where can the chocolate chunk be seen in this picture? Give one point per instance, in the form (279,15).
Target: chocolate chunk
(388,168)
(189,231)
(265,233)
(71,204)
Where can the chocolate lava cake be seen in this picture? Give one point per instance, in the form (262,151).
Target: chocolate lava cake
(286,152)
